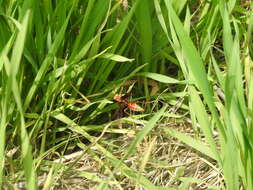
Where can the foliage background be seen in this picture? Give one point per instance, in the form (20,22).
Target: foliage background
(61,62)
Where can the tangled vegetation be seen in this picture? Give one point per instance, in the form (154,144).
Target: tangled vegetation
(126,94)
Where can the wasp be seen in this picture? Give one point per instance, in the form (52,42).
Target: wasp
(123,100)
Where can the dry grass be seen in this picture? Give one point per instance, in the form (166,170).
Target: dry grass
(169,164)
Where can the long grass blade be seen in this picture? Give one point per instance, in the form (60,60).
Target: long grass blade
(15,64)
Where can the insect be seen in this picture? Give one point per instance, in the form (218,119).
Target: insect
(123,100)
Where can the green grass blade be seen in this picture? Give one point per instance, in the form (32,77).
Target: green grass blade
(5,100)
(143,12)
(194,143)
(113,39)
(46,63)
(97,10)
(231,156)
(25,144)
(161,78)
(140,136)
(204,122)
(195,64)
(115,57)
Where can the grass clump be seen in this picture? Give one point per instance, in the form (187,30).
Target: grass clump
(187,64)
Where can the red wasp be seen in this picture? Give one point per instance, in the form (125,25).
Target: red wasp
(123,100)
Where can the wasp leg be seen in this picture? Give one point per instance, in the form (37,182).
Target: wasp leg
(125,111)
